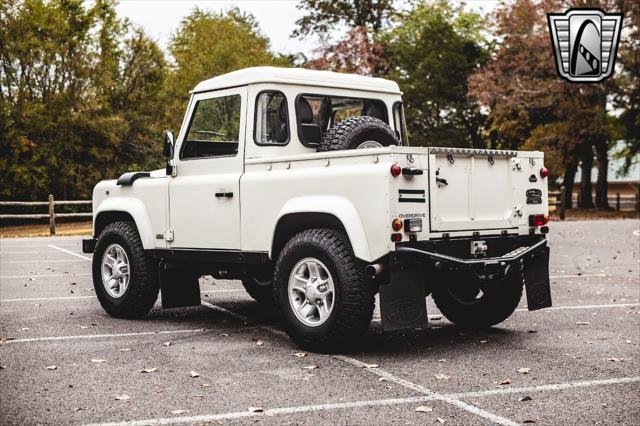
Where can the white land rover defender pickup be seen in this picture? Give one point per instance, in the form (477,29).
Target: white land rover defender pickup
(302,185)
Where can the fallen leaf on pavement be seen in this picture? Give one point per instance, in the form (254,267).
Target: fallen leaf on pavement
(365,365)
(98,361)
(122,397)
(149,370)
(259,343)
(440,419)
(615,359)
(483,341)
(2,367)
(505,382)
(52,367)
(442,376)
(525,398)
(582,323)
(310,367)
(126,349)
(256,409)
(179,411)
(436,318)
(523,370)
(424,409)
(167,343)
(205,385)
(299,354)
(84,327)
(382,379)
(529,421)
(442,360)
(24,328)
(224,335)
(78,409)
(194,374)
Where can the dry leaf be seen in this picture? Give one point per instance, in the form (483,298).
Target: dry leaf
(529,421)
(24,328)
(98,361)
(2,367)
(300,354)
(532,331)
(525,398)
(205,385)
(442,360)
(436,318)
(224,335)
(505,382)
(256,409)
(194,374)
(84,327)
(442,376)
(52,367)
(167,343)
(179,411)
(259,343)
(126,349)
(582,323)
(615,359)
(424,409)
(523,370)
(122,397)
(440,419)
(310,367)
(149,370)
(365,365)
(78,409)
(483,341)
(382,379)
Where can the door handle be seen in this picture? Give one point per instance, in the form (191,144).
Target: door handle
(224,194)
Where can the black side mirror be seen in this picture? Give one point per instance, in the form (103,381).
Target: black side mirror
(168,152)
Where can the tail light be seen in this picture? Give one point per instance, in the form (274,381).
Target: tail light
(396,224)
(544,172)
(396,237)
(396,170)
(538,219)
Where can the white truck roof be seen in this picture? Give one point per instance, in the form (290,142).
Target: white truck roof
(299,76)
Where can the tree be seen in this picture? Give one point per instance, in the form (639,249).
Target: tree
(324,16)
(431,51)
(208,44)
(78,97)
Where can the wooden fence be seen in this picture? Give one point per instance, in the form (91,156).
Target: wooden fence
(51,213)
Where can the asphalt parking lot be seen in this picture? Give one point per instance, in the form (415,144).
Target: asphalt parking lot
(65,361)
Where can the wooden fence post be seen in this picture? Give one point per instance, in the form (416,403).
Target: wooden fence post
(561,203)
(52,216)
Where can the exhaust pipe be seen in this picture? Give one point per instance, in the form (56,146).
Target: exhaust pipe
(374,270)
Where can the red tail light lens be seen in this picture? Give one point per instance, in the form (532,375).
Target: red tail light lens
(544,172)
(396,224)
(538,219)
(396,237)
(396,170)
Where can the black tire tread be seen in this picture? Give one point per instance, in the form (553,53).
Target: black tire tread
(143,285)
(356,302)
(341,135)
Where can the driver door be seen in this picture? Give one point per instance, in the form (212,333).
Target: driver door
(204,196)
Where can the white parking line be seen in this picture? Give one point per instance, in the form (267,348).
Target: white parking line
(35,299)
(99,336)
(6,277)
(42,261)
(70,252)
(555,277)
(611,305)
(205,418)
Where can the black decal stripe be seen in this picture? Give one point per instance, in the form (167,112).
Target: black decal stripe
(411,200)
(411,191)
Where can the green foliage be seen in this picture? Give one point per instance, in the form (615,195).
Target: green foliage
(432,50)
(79,97)
(208,44)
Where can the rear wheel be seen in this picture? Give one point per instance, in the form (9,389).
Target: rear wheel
(464,302)
(322,292)
(124,277)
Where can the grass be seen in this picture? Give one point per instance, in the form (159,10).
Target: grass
(42,230)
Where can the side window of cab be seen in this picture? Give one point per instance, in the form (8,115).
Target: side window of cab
(214,129)
(271,119)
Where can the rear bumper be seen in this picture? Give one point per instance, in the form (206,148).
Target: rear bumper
(416,267)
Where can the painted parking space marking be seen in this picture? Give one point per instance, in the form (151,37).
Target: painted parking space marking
(102,336)
(205,418)
(43,261)
(7,277)
(555,277)
(70,252)
(36,299)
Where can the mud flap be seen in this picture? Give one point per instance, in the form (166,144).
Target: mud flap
(403,302)
(536,280)
(179,286)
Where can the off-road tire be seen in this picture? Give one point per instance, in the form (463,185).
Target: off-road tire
(143,288)
(350,133)
(354,298)
(496,304)
(261,293)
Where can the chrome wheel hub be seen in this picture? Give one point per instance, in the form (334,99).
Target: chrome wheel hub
(311,292)
(116,272)
(369,144)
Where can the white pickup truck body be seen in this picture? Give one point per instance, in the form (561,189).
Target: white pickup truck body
(234,211)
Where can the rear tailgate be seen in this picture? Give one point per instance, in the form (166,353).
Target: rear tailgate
(483,189)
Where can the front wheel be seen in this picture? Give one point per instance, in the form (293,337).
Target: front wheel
(124,278)
(322,291)
(467,304)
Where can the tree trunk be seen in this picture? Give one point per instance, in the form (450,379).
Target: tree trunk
(567,183)
(585,200)
(602,158)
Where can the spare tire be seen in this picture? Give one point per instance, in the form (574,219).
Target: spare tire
(357,133)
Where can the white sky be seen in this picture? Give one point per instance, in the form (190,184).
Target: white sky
(276,18)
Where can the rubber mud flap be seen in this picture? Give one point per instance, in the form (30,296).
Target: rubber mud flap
(536,280)
(403,302)
(179,287)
